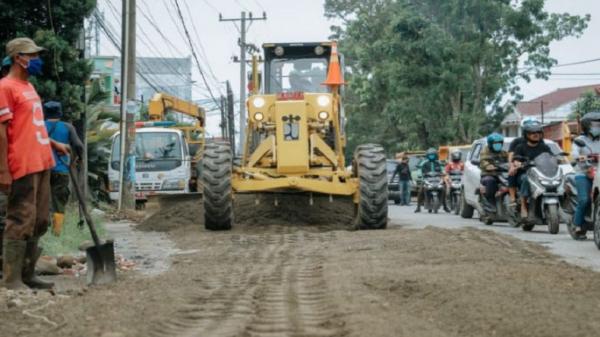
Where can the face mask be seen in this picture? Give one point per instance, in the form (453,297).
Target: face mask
(497,147)
(34,66)
(595,131)
(431,157)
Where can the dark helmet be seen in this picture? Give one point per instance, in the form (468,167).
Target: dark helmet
(527,120)
(531,126)
(495,142)
(52,110)
(431,154)
(586,122)
(456,156)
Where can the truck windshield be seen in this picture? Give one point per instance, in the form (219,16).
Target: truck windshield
(298,75)
(152,146)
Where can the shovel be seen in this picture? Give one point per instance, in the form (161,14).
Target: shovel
(100,260)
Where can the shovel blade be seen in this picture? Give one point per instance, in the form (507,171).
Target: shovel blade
(101,266)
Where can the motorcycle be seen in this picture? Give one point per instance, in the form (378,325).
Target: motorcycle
(455,179)
(433,186)
(501,209)
(546,186)
(570,202)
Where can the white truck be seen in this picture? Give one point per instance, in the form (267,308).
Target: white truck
(163,164)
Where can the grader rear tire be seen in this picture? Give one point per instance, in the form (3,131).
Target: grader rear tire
(372,208)
(218,195)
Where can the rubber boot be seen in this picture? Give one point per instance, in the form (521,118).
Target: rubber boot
(58,219)
(32,254)
(12,264)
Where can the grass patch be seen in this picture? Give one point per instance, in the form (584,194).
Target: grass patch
(72,236)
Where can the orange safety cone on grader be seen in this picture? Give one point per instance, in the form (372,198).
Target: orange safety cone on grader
(295,141)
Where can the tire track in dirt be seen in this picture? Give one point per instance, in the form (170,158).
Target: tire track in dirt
(271,285)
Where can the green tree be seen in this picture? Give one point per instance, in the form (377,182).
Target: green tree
(438,71)
(56,25)
(588,102)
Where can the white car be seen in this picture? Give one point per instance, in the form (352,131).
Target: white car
(472,174)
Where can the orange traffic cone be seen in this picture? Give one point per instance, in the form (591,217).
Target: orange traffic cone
(334,73)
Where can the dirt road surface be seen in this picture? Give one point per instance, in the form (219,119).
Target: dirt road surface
(293,274)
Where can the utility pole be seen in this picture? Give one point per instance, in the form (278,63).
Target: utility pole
(245,22)
(128,107)
(542,110)
(230,118)
(223,123)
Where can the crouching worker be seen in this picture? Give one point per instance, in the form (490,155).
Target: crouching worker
(491,156)
(64,133)
(25,163)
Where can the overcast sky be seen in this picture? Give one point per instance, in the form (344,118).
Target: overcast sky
(302,20)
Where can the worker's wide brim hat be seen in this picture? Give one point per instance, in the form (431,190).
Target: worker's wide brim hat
(22,45)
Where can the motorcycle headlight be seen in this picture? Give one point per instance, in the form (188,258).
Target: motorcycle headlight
(173,184)
(323,115)
(259,116)
(547,183)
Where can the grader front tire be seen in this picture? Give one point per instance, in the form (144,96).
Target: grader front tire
(372,208)
(216,180)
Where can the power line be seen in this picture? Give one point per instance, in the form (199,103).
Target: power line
(576,63)
(194,52)
(202,50)
(146,41)
(115,43)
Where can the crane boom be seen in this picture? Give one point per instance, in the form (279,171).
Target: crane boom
(161,104)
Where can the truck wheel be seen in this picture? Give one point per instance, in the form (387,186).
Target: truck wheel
(217,192)
(466,210)
(372,208)
(553,219)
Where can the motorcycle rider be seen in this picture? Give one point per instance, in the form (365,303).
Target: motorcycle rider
(454,165)
(513,170)
(590,125)
(528,151)
(429,165)
(491,155)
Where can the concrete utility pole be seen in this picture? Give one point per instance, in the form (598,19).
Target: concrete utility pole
(128,93)
(230,118)
(245,25)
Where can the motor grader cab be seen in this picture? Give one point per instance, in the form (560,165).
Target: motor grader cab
(295,141)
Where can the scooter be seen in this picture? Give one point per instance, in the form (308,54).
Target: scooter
(433,186)
(454,195)
(570,201)
(546,186)
(501,209)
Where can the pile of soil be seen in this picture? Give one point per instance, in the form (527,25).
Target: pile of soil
(294,210)
(260,210)
(183,214)
(398,282)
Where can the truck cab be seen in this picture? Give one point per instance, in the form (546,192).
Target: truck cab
(162,163)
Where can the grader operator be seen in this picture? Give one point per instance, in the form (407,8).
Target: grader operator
(295,141)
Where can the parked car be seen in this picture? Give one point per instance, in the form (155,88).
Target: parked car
(472,174)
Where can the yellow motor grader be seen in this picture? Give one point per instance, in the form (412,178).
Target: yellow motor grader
(295,141)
